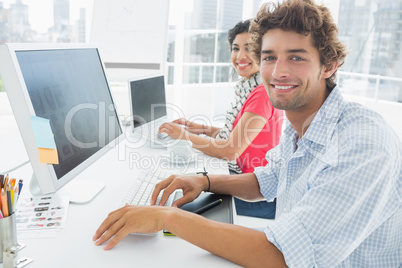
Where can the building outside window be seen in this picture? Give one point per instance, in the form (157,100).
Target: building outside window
(198,50)
(372,31)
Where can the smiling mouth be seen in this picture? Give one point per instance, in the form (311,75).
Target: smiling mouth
(283,88)
(243,65)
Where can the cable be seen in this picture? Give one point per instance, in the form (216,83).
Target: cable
(14,168)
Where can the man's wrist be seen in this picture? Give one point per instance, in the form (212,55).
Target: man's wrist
(205,174)
(169,218)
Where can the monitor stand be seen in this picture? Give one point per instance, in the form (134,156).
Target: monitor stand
(78,191)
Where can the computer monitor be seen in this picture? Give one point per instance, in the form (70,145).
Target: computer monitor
(147,100)
(65,84)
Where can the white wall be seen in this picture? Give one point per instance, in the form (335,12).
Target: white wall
(8,125)
(130,34)
(202,102)
(391,111)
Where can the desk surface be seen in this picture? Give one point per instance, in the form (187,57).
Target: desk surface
(73,245)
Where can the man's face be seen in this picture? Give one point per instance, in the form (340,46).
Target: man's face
(292,73)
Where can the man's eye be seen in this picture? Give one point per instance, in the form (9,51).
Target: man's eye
(269,58)
(297,58)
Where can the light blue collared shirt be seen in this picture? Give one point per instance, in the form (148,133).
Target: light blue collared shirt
(338,189)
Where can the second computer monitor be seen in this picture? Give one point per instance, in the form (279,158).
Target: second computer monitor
(147,100)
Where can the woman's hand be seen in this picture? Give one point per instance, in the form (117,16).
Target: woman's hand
(176,131)
(191,126)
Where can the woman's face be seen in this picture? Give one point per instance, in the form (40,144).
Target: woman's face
(241,57)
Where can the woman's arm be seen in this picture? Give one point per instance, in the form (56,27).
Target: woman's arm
(195,128)
(246,130)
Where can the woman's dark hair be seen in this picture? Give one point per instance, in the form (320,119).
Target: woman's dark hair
(240,27)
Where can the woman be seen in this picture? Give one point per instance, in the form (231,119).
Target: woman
(252,126)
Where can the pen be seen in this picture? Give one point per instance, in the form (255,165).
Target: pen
(20,184)
(10,205)
(208,207)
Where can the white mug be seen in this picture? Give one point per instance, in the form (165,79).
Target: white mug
(180,150)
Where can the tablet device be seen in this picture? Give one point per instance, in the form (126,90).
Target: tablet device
(222,212)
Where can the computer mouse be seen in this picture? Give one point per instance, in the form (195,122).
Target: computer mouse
(162,136)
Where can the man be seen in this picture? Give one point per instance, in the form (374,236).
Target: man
(336,172)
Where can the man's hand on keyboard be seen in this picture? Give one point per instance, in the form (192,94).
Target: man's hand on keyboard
(192,186)
(126,220)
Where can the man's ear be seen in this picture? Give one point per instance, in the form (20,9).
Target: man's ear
(329,70)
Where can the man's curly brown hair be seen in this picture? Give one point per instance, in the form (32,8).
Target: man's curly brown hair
(303,17)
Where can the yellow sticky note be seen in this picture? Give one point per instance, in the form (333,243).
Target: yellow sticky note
(48,156)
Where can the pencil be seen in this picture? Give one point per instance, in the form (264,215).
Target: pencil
(4,205)
(5,182)
(11,194)
(15,198)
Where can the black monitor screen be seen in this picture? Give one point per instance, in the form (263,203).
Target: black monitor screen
(69,87)
(148,99)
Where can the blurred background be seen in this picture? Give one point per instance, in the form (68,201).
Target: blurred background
(187,41)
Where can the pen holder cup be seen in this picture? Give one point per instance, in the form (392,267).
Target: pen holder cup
(8,234)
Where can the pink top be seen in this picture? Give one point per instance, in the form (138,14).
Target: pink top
(258,103)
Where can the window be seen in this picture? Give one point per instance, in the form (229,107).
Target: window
(46,21)
(372,31)
(198,50)
(197,46)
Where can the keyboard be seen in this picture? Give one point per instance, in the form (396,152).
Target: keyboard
(140,192)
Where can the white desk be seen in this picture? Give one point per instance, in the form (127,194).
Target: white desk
(73,245)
